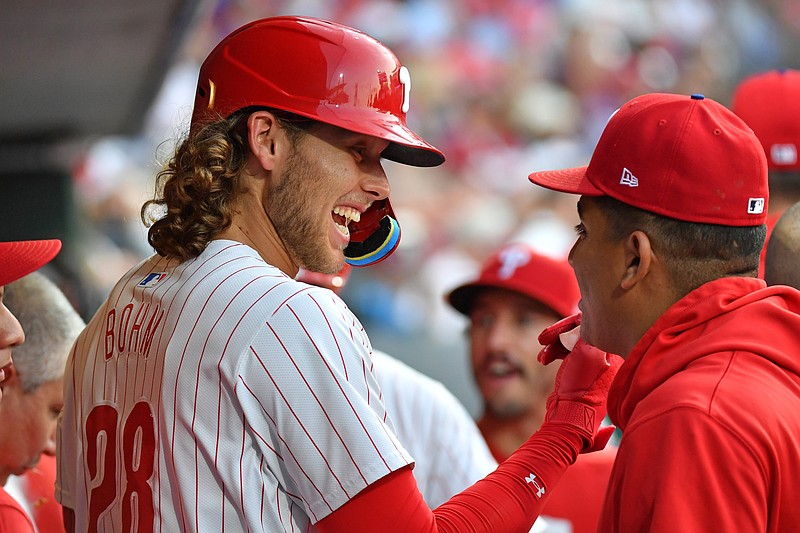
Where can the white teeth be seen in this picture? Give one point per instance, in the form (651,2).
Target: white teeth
(343,230)
(500,368)
(350,214)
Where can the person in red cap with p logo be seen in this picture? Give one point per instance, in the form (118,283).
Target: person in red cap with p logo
(672,212)
(516,295)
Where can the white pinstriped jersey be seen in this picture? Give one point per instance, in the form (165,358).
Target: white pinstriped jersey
(435,428)
(219,394)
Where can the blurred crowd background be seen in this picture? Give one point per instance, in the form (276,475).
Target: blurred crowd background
(502,87)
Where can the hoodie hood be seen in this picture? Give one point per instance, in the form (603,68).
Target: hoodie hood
(725,315)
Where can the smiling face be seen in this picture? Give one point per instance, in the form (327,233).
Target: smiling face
(503,332)
(33,418)
(329,178)
(11,335)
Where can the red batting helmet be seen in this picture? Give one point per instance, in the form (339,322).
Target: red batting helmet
(317,69)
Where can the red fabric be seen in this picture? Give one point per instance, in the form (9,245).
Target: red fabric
(13,518)
(578,497)
(508,499)
(655,150)
(709,404)
(38,486)
(768,102)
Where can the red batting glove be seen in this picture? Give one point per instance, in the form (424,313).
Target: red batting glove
(579,397)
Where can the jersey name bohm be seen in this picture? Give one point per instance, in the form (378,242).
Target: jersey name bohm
(132,332)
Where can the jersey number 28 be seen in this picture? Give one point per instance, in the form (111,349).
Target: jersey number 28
(138,450)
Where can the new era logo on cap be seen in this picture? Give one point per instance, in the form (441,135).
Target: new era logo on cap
(628,179)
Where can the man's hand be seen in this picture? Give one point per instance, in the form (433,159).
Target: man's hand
(579,397)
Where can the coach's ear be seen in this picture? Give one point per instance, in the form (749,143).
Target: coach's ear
(639,259)
(263,134)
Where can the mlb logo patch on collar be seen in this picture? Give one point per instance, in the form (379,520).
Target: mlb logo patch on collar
(152,279)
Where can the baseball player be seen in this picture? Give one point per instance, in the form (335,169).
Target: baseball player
(212,391)
(449,452)
(517,293)
(18,259)
(672,221)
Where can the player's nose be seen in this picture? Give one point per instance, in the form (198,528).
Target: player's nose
(11,333)
(375,182)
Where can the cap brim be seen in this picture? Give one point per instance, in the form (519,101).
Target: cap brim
(405,145)
(569,180)
(413,155)
(20,258)
(461,297)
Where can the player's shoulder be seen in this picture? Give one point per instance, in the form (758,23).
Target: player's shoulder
(396,376)
(301,296)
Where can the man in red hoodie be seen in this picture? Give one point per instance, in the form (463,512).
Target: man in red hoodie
(673,208)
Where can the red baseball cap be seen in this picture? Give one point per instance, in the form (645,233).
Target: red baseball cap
(683,157)
(518,268)
(770,104)
(20,258)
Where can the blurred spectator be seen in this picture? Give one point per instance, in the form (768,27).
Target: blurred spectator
(769,102)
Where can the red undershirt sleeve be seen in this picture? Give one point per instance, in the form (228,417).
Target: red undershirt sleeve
(508,499)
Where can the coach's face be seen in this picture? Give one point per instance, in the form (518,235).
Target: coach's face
(327,180)
(29,425)
(503,331)
(599,264)
(11,335)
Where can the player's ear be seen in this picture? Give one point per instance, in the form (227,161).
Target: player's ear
(638,254)
(262,130)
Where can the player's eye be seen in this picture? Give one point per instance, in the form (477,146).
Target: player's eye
(359,152)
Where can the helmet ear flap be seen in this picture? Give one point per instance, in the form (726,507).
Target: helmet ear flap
(374,237)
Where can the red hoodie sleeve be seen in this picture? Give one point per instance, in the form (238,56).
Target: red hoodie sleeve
(508,499)
(663,472)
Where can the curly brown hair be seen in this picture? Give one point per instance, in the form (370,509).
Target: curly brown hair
(196,188)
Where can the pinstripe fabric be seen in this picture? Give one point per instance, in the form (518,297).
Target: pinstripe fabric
(219,395)
(434,426)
